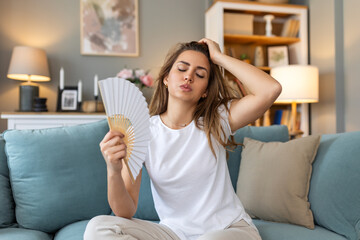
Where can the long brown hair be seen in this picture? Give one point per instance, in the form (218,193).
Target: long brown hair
(218,93)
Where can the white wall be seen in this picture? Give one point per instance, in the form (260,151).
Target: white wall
(322,49)
(335,49)
(352,64)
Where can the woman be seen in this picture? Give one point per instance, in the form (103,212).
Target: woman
(193,116)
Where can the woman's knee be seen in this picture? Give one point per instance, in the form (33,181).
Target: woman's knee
(95,226)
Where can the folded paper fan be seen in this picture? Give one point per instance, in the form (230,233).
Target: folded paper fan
(127,112)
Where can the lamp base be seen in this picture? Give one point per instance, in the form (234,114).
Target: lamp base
(27,95)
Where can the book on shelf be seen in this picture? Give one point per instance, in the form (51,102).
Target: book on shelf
(290,28)
(278,116)
(283,117)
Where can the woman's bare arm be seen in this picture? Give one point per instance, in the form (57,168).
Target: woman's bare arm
(123,195)
(263,88)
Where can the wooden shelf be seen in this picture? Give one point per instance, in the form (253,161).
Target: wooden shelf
(237,44)
(258,39)
(265,68)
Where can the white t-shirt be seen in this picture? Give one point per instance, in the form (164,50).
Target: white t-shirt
(191,188)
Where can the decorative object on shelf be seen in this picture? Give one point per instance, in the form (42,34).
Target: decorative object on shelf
(79,96)
(259,58)
(62,79)
(68,99)
(138,76)
(109,28)
(128,113)
(96,91)
(92,106)
(300,84)
(28,64)
(244,57)
(65,95)
(278,56)
(141,78)
(40,105)
(268,27)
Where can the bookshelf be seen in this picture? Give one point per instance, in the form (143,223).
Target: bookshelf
(289,28)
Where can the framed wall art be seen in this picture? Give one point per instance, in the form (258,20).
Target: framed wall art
(278,56)
(109,28)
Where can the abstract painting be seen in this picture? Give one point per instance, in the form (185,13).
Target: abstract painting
(109,27)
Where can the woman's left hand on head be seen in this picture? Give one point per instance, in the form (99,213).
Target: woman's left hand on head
(214,49)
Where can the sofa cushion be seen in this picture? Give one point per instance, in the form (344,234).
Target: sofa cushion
(23,234)
(274,179)
(266,134)
(58,175)
(7,207)
(73,231)
(334,190)
(285,231)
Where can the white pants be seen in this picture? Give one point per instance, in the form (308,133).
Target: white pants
(116,228)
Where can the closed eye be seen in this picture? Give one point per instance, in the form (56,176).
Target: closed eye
(199,75)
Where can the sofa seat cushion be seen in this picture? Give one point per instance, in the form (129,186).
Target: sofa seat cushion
(7,206)
(58,175)
(21,233)
(74,231)
(334,189)
(285,231)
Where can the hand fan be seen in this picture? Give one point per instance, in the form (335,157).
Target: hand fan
(127,112)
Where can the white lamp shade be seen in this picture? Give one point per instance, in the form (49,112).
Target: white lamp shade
(28,64)
(300,83)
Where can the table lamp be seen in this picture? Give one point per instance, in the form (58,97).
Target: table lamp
(300,84)
(28,64)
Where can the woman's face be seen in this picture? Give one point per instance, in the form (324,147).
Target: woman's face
(189,76)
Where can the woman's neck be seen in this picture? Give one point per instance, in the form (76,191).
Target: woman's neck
(179,114)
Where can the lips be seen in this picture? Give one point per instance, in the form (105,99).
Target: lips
(186,88)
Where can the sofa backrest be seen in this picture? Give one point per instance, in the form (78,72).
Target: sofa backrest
(58,175)
(335,184)
(7,206)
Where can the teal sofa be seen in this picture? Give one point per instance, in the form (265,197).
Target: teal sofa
(52,181)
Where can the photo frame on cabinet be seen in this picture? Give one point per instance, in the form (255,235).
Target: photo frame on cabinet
(68,100)
(109,28)
(278,55)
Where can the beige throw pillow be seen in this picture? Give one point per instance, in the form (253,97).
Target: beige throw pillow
(274,179)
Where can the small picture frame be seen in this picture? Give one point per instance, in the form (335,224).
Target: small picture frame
(278,56)
(68,100)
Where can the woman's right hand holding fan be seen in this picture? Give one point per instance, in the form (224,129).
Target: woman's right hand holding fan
(113,149)
(122,194)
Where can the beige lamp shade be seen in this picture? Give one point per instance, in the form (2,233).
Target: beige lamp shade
(300,83)
(28,64)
